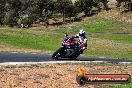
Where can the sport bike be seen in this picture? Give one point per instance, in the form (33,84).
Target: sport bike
(69,49)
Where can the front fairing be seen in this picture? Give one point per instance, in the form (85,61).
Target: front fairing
(67,41)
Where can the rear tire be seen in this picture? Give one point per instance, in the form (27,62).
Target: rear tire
(74,57)
(55,56)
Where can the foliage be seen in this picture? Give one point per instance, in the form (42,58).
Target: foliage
(86,5)
(65,7)
(2,4)
(12,12)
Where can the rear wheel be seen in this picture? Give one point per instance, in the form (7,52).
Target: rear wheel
(57,54)
(74,57)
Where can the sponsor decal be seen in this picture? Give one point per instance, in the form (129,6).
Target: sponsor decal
(84,78)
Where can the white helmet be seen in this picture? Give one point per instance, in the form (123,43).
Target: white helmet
(81,32)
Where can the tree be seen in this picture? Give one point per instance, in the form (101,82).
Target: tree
(71,10)
(128,4)
(27,13)
(86,5)
(63,7)
(43,9)
(48,11)
(12,8)
(2,9)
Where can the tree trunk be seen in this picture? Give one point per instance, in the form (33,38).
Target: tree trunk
(46,23)
(64,16)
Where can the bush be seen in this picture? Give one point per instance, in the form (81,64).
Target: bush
(9,19)
(24,22)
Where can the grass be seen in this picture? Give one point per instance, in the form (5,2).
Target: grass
(30,39)
(120,38)
(92,25)
(101,25)
(102,42)
(129,85)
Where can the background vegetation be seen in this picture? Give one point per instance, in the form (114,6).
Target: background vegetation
(24,13)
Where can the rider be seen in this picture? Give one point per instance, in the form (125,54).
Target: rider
(82,40)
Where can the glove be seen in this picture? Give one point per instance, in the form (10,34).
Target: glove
(84,48)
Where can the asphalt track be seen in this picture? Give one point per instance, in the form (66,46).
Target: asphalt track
(28,57)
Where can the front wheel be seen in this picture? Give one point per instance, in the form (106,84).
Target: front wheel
(57,54)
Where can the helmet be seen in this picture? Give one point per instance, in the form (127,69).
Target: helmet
(81,32)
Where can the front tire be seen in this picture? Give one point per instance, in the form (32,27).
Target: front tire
(56,54)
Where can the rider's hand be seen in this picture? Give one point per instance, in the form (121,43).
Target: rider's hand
(84,48)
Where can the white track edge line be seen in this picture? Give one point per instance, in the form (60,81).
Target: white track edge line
(52,62)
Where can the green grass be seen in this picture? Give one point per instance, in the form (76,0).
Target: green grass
(100,25)
(30,39)
(120,38)
(129,85)
(102,44)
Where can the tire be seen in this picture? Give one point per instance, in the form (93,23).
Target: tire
(74,57)
(54,56)
(81,80)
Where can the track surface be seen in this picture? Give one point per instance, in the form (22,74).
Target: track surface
(27,57)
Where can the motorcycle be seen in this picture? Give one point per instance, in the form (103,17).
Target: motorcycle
(69,49)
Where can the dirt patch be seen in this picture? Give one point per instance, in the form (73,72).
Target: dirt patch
(54,75)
